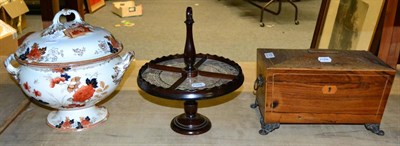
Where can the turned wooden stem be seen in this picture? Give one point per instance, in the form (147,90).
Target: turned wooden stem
(190,52)
(190,108)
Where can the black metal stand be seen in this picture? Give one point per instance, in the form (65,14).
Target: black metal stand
(374,128)
(254,105)
(267,128)
(264,8)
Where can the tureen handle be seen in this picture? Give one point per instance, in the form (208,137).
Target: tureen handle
(10,68)
(57,26)
(124,64)
(66,12)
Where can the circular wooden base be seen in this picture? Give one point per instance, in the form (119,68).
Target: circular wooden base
(190,125)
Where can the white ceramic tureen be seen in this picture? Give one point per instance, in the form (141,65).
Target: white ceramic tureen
(70,67)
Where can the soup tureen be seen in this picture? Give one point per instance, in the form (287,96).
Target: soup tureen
(70,66)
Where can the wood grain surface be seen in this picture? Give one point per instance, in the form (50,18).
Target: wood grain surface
(352,88)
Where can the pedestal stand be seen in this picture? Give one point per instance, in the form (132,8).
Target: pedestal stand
(190,77)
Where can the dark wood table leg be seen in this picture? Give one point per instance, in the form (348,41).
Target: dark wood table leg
(49,8)
(76,5)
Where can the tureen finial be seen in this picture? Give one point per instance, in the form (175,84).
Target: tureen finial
(57,27)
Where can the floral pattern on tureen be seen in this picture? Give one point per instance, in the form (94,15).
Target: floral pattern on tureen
(68,42)
(36,53)
(70,67)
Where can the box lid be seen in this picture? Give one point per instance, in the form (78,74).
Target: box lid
(314,59)
(6,30)
(16,8)
(124,4)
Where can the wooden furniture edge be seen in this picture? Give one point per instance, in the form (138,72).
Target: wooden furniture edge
(20,108)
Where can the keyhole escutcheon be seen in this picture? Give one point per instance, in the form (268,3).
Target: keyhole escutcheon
(329,89)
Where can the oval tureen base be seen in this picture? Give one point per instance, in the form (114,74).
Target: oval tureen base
(77,120)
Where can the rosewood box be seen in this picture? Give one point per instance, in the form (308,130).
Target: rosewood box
(321,86)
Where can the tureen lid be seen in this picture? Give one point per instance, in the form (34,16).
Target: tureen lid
(69,42)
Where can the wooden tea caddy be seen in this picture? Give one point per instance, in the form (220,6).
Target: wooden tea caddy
(321,86)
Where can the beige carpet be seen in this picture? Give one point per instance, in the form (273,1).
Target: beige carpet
(226,27)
